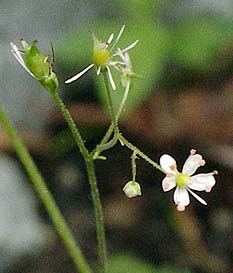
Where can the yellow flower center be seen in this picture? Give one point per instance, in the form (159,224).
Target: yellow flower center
(182,180)
(100,55)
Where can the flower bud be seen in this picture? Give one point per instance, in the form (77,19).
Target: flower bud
(36,64)
(35,61)
(132,189)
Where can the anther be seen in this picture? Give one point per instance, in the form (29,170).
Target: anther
(180,208)
(173,167)
(193,151)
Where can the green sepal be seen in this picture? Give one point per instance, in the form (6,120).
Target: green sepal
(50,82)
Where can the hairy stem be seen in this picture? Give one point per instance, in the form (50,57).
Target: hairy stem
(122,105)
(92,181)
(125,142)
(74,130)
(102,252)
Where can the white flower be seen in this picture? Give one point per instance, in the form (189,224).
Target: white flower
(125,68)
(184,181)
(132,189)
(102,58)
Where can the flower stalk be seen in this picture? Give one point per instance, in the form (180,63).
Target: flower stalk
(125,142)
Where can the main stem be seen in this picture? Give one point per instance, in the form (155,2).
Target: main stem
(98,215)
(46,197)
(92,181)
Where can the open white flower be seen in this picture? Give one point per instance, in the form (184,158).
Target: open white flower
(102,57)
(184,181)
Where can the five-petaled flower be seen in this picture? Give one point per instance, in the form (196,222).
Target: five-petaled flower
(103,59)
(184,181)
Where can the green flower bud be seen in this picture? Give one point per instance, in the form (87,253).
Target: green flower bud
(132,189)
(36,64)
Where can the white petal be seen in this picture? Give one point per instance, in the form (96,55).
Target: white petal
(181,197)
(166,162)
(75,77)
(111,78)
(169,183)
(202,182)
(191,164)
(197,197)
(15,51)
(118,37)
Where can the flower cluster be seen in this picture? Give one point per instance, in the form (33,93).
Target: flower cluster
(184,181)
(103,59)
(36,64)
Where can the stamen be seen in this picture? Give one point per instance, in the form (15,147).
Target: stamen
(118,37)
(173,167)
(110,39)
(46,59)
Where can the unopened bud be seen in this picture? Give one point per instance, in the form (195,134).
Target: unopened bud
(132,189)
(36,64)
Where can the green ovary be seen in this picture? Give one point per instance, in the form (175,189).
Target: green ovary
(100,56)
(182,180)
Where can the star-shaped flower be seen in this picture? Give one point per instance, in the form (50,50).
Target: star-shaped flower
(184,181)
(102,58)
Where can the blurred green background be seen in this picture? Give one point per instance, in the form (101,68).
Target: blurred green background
(184,101)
